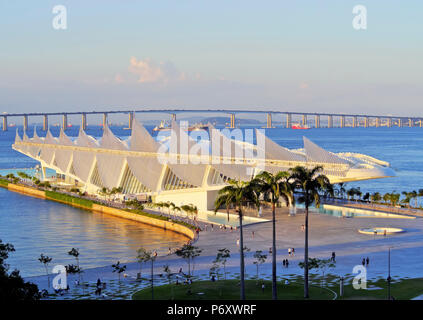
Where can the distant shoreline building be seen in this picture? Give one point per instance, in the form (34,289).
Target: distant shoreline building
(134,165)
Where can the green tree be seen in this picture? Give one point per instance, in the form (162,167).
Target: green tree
(222,257)
(414,196)
(351,193)
(320,264)
(12,285)
(387,197)
(237,191)
(143,256)
(341,189)
(407,198)
(260,258)
(310,182)
(375,197)
(75,253)
(167,205)
(188,252)
(394,198)
(45,260)
(118,268)
(274,186)
(23,175)
(366,196)
(168,273)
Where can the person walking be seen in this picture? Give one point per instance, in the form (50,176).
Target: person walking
(333,256)
(289,251)
(363,262)
(367,261)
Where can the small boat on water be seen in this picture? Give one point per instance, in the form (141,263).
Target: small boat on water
(300,127)
(163,126)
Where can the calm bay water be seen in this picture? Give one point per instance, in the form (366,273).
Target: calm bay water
(37,226)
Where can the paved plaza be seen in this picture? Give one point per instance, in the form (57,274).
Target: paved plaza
(327,234)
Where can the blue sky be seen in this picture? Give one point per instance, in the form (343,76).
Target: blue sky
(280,55)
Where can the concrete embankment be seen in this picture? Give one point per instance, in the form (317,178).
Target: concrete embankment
(167,225)
(89,205)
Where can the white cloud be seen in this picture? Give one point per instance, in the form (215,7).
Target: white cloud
(148,71)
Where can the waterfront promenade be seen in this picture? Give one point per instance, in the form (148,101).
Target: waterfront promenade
(327,234)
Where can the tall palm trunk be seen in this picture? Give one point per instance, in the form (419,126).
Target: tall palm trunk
(152,279)
(306,250)
(274,290)
(241,253)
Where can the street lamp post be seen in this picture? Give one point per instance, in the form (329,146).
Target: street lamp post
(389,273)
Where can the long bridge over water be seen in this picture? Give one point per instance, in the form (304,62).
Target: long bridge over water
(343,120)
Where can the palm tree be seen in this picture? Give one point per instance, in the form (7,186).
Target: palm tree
(194,211)
(187,209)
(394,198)
(358,193)
(341,189)
(310,182)
(351,193)
(224,200)
(176,209)
(386,197)
(167,205)
(413,195)
(237,191)
(172,207)
(375,197)
(407,198)
(274,186)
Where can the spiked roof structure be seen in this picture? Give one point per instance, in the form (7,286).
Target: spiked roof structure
(178,163)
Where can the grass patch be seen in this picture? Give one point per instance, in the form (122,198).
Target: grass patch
(402,289)
(159,217)
(230,290)
(4,183)
(69,199)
